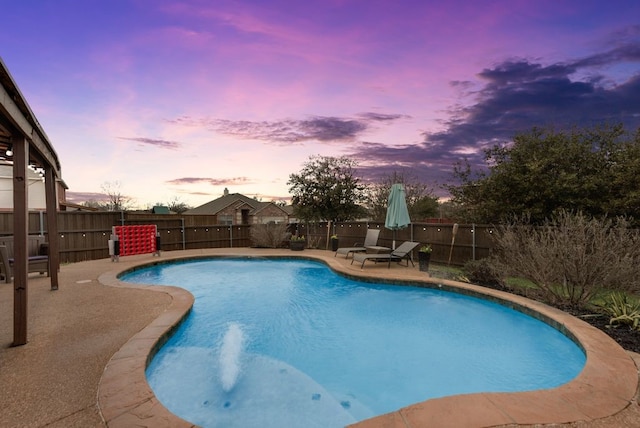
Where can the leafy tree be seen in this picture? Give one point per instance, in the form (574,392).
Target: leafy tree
(427,206)
(326,189)
(420,199)
(624,187)
(595,171)
(448,210)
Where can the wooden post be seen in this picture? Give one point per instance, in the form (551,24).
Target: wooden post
(453,240)
(20,232)
(52,226)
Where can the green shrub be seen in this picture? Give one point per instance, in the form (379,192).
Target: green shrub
(623,310)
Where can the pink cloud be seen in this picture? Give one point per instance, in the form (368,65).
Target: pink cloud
(211,181)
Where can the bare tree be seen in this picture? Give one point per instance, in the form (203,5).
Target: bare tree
(177,206)
(420,199)
(269,235)
(92,203)
(116,201)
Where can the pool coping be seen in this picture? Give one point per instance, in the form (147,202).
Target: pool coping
(607,384)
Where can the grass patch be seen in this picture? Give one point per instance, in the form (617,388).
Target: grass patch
(519,283)
(438,270)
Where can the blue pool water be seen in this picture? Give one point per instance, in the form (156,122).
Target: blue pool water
(290,343)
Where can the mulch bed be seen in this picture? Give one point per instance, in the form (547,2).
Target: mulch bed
(626,337)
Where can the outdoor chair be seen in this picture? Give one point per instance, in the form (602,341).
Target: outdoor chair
(38,260)
(370,240)
(397,255)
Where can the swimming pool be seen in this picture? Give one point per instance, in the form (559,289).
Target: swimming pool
(311,340)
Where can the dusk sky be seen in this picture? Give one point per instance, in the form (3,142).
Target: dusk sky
(184,98)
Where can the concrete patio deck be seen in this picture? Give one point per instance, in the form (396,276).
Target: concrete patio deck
(89,341)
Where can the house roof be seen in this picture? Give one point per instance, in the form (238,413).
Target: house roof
(288,209)
(236,200)
(77,207)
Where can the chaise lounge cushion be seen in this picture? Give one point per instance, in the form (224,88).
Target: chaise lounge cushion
(397,255)
(370,240)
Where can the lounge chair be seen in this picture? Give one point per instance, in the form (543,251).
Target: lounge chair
(370,240)
(397,255)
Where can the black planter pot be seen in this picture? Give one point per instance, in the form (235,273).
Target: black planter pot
(297,245)
(334,244)
(423,261)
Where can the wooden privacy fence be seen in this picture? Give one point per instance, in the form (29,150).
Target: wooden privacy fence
(85,235)
(472,242)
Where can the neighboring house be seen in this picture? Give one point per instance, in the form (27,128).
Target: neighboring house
(36,189)
(289,210)
(234,208)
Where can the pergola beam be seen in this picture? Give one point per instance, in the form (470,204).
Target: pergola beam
(20,239)
(24,122)
(20,130)
(52,226)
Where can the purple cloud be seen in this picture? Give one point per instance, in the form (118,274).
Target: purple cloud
(317,128)
(517,95)
(211,181)
(81,197)
(163,144)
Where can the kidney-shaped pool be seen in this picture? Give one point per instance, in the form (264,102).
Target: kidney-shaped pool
(279,342)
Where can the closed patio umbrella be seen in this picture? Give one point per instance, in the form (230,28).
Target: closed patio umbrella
(397,212)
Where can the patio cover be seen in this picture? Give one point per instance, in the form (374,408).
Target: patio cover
(24,143)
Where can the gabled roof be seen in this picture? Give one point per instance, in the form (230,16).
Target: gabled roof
(217,205)
(288,209)
(267,204)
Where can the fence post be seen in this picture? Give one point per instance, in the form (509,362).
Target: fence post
(184,232)
(454,232)
(473,241)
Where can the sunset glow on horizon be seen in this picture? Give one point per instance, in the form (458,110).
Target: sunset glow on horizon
(181,99)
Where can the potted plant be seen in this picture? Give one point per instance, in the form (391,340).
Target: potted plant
(424,255)
(297,243)
(334,242)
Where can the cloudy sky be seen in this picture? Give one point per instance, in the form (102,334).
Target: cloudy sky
(182,98)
